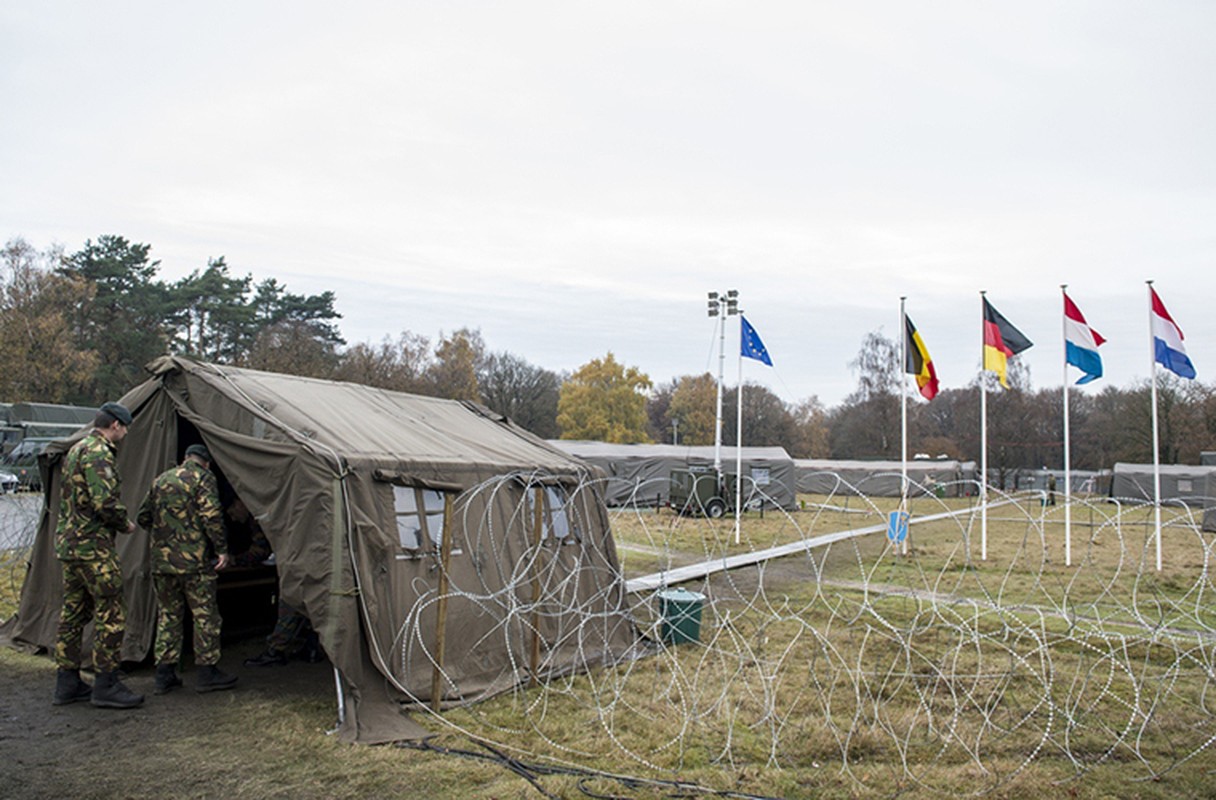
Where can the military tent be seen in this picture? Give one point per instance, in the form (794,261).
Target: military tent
(640,474)
(947,478)
(1193,485)
(357,489)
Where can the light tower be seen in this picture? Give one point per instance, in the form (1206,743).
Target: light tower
(721,305)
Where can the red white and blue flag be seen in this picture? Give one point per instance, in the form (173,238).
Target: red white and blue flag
(1081,343)
(1168,350)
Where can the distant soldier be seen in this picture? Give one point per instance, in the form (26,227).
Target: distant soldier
(182,515)
(247,544)
(91,514)
(1051,489)
(293,634)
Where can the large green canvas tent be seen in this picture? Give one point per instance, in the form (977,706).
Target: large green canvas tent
(356,488)
(884,478)
(1187,483)
(640,474)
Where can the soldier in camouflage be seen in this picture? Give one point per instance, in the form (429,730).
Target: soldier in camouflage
(91,514)
(182,515)
(293,633)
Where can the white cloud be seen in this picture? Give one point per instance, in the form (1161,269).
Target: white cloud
(573,178)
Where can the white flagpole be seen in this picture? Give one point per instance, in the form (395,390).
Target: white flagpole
(983,442)
(739,437)
(1152,354)
(903,397)
(903,411)
(1067,450)
(721,368)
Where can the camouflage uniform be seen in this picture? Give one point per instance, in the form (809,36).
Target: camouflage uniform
(291,631)
(90,514)
(259,549)
(182,515)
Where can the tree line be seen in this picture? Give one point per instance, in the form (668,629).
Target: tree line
(79,328)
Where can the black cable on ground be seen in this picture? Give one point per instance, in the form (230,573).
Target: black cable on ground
(531,771)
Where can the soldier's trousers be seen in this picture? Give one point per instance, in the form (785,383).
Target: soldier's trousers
(290,628)
(175,593)
(92,590)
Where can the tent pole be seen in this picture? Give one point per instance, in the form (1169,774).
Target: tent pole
(441,607)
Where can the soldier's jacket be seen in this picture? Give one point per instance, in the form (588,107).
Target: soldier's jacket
(259,549)
(90,509)
(182,516)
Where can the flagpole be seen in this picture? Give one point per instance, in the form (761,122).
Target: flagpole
(903,411)
(1067,445)
(1152,354)
(718,417)
(903,404)
(983,443)
(739,437)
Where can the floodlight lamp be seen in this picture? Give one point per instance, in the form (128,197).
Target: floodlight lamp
(732,294)
(713,297)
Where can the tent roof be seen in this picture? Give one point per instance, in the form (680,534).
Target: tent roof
(588,449)
(362,423)
(1166,469)
(829,464)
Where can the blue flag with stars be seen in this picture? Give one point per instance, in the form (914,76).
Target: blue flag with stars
(750,344)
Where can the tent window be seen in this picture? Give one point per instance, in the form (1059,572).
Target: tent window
(762,476)
(557,524)
(1185,485)
(419,518)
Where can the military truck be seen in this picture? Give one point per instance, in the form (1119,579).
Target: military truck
(700,491)
(23,461)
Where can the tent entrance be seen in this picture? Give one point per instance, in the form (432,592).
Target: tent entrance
(247,594)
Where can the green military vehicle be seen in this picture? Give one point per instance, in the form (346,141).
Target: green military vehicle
(700,491)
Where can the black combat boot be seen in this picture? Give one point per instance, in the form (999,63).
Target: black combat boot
(166,679)
(271,657)
(211,679)
(109,692)
(313,653)
(69,687)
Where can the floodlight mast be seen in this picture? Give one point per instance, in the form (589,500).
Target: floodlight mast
(721,305)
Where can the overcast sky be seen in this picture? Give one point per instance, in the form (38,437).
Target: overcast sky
(572,178)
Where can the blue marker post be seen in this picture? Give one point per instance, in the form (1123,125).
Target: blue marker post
(897,528)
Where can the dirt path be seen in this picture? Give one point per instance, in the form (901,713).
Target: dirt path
(79,751)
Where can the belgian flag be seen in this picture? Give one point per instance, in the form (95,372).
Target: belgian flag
(917,361)
(1002,341)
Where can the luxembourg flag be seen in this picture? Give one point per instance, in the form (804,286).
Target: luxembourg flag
(1168,350)
(1081,343)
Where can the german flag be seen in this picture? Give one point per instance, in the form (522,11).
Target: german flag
(917,361)
(1002,341)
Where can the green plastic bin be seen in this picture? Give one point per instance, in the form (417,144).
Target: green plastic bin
(680,616)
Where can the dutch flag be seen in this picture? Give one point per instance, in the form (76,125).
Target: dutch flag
(1081,343)
(1168,350)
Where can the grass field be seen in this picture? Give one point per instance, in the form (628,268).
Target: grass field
(847,671)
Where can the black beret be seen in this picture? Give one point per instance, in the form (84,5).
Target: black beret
(118,411)
(198,450)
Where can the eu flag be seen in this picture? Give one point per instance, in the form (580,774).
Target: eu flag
(750,344)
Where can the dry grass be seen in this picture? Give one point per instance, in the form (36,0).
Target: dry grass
(847,672)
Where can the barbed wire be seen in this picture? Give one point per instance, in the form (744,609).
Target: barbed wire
(854,655)
(849,656)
